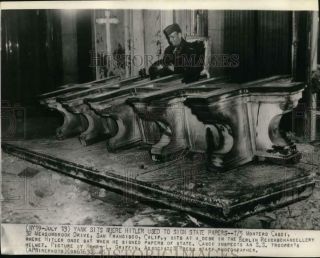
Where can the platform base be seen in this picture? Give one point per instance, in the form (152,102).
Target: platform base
(183,184)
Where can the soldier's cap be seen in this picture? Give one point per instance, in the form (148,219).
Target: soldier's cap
(171,28)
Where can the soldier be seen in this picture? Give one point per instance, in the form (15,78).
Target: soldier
(180,57)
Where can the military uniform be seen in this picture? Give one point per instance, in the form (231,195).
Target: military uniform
(187,59)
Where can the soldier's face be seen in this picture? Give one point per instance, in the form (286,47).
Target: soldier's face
(175,38)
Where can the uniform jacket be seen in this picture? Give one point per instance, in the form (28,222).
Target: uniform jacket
(187,59)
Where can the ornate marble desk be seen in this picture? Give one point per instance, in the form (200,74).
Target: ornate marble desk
(72,124)
(230,123)
(129,129)
(74,104)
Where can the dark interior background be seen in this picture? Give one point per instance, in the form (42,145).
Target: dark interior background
(32,49)
(32,53)
(263,41)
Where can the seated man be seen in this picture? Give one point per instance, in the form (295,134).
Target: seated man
(180,57)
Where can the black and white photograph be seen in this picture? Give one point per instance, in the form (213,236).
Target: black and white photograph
(154,118)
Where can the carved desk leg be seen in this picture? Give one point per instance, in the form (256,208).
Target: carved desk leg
(73,124)
(170,118)
(129,130)
(267,111)
(127,133)
(228,139)
(149,131)
(95,130)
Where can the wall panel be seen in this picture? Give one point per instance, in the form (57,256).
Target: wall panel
(262,39)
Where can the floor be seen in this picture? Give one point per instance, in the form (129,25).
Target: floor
(33,194)
(51,198)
